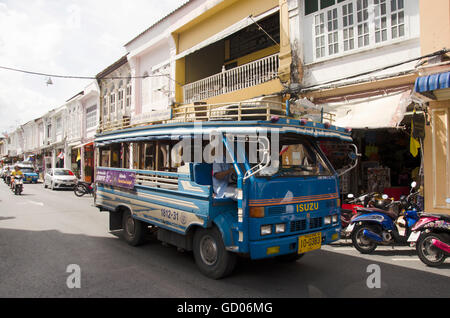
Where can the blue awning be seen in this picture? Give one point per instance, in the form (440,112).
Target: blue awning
(432,82)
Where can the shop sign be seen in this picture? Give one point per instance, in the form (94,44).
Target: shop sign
(123,179)
(151,117)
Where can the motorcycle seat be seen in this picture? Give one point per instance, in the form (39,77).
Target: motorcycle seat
(440,216)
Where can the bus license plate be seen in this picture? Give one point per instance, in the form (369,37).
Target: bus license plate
(309,243)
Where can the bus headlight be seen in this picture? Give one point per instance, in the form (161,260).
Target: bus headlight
(335,218)
(280,228)
(327,220)
(266,230)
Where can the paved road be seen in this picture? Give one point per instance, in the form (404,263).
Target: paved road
(43,231)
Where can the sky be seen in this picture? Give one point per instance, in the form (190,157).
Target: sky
(79,37)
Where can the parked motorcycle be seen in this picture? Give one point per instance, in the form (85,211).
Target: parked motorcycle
(17,186)
(431,237)
(376,225)
(349,210)
(83,188)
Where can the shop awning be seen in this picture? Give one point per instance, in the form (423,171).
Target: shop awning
(84,145)
(435,84)
(242,24)
(385,111)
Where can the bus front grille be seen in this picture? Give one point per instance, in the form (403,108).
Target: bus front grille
(315,223)
(299,225)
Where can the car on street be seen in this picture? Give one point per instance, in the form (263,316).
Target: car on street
(59,178)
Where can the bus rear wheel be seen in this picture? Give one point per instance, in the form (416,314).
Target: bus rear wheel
(133,230)
(210,254)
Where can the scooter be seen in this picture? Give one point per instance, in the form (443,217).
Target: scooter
(83,188)
(17,185)
(376,225)
(431,237)
(349,210)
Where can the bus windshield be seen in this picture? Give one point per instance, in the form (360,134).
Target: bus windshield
(297,158)
(27,170)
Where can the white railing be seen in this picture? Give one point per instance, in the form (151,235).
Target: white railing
(244,76)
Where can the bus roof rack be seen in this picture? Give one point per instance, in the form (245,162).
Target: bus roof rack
(259,109)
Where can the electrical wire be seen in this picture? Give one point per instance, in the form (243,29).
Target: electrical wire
(79,77)
(437,53)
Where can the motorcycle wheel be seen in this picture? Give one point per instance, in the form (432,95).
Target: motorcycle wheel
(361,243)
(79,190)
(428,253)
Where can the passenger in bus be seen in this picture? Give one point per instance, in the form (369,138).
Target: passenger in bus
(223,173)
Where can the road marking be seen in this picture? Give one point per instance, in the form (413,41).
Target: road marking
(36,203)
(344,248)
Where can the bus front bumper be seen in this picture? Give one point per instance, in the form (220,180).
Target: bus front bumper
(289,244)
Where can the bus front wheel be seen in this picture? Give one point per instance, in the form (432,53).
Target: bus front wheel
(210,254)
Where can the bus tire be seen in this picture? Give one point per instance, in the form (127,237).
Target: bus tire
(210,254)
(133,230)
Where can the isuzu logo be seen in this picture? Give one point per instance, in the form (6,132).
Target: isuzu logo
(305,207)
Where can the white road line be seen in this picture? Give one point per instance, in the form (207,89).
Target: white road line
(36,203)
(405,259)
(344,249)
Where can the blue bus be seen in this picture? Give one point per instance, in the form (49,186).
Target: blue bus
(274,194)
(29,172)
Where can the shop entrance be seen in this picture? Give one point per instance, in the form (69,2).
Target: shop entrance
(387,164)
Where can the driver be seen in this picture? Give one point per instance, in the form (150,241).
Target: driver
(222,173)
(16,172)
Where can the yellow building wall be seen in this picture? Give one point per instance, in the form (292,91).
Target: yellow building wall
(434,25)
(435,35)
(180,78)
(436,159)
(255,55)
(267,88)
(219,18)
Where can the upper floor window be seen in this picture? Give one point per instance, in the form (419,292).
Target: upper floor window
(112,100)
(128,97)
(121,99)
(91,117)
(49,131)
(59,125)
(344,25)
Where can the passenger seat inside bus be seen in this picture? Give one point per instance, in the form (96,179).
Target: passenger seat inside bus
(202,174)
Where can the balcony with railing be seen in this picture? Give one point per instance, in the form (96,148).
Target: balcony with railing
(247,75)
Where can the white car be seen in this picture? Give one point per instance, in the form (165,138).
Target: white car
(59,178)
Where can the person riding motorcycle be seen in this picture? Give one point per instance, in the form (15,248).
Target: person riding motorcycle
(16,172)
(7,175)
